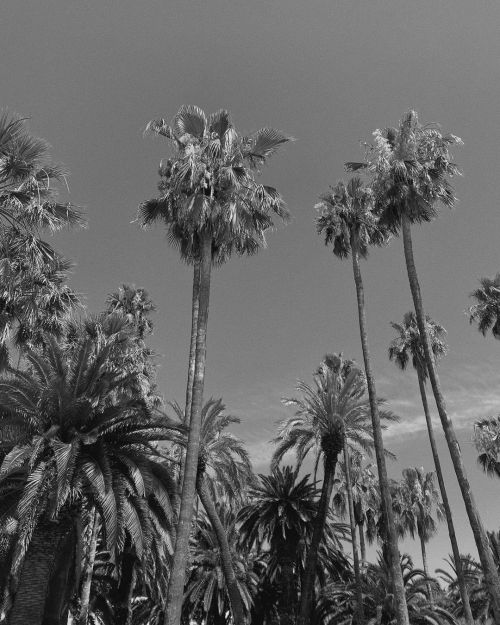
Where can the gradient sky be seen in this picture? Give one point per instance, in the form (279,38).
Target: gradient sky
(91,73)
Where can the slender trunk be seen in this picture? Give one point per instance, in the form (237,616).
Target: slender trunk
(362,544)
(39,564)
(89,570)
(490,572)
(178,571)
(225,553)
(192,360)
(425,566)
(123,606)
(469,619)
(392,540)
(287,597)
(309,577)
(360,617)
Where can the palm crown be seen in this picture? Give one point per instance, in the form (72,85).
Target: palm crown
(486,311)
(210,184)
(408,343)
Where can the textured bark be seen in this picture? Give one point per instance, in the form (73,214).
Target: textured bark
(225,553)
(88,572)
(362,544)
(178,572)
(392,541)
(287,598)
(425,565)
(62,584)
(192,360)
(469,619)
(309,577)
(490,572)
(360,617)
(123,604)
(34,580)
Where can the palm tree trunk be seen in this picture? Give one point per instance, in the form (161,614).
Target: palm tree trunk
(362,544)
(123,606)
(178,572)
(309,577)
(287,598)
(425,566)
(192,359)
(392,540)
(469,619)
(89,570)
(490,572)
(225,553)
(360,617)
(35,577)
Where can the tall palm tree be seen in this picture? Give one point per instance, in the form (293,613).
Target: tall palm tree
(416,503)
(211,196)
(412,166)
(334,409)
(407,344)
(486,311)
(348,222)
(365,495)
(223,465)
(87,446)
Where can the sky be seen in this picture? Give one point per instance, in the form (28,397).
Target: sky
(92,73)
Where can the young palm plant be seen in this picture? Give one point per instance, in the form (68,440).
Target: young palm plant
(348,222)
(86,445)
(330,412)
(412,166)
(407,344)
(211,198)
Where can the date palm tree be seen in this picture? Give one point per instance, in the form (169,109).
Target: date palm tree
(486,311)
(407,344)
(211,197)
(412,167)
(87,445)
(328,413)
(348,222)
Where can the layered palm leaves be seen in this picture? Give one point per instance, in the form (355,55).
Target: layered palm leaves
(211,200)
(411,168)
(486,311)
(330,413)
(85,444)
(487,442)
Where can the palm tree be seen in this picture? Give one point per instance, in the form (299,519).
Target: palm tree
(416,502)
(280,508)
(365,495)
(487,442)
(486,311)
(207,592)
(333,410)
(88,445)
(223,465)
(412,166)
(348,222)
(337,602)
(406,344)
(211,197)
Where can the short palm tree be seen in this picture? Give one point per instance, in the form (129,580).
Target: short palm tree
(331,413)
(486,311)
(348,221)
(207,594)
(86,444)
(224,467)
(411,167)
(211,197)
(405,346)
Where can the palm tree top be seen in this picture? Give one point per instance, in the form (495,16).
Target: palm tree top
(487,443)
(347,210)
(411,166)
(486,311)
(210,184)
(407,342)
